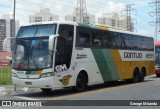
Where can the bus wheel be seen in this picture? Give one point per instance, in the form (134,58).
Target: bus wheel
(142,76)
(158,75)
(81,83)
(136,76)
(46,90)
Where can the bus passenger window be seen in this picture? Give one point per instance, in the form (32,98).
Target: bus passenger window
(97,43)
(84,39)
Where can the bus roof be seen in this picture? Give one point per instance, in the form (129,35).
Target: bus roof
(114,29)
(52,22)
(94,26)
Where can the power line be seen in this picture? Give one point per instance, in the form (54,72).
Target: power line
(81,12)
(155,13)
(128,10)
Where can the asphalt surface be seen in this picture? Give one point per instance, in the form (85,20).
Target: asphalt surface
(103,93)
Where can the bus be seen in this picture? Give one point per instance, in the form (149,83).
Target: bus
(51,55)
(157,63)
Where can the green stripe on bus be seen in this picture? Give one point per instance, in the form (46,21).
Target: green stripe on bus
(112,66)
(105,64)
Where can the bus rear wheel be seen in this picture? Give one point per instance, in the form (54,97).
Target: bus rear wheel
(136,76)
(81,83)
(142,76)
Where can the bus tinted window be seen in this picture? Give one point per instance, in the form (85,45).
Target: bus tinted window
(83,37)
(114,40)
(143,43)
(151,44)
(89,37)
(128,41)
(121,41)
(97,38)
(135,42)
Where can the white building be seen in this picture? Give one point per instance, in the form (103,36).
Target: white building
(43,15)
(73,17)
(124,24)
(7,30)
(109,19)
(112,19)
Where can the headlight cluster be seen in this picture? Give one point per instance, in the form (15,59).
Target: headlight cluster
(44,75)
(14,74)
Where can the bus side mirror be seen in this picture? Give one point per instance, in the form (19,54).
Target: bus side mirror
(52,41)
(5,42)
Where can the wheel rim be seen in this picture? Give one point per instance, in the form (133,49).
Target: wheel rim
(81,82)
(135,77)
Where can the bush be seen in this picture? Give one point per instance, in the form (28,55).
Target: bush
(5,76)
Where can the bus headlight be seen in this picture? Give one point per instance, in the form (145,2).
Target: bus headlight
(14,74)
(44,75)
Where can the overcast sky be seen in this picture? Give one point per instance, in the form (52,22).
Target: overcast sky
(24,8)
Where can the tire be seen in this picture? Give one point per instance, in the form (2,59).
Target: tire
(46,90)
(158,75)
(135,76)
(81,83)
(142,75)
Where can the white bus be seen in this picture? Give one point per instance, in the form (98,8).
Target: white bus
(52,55)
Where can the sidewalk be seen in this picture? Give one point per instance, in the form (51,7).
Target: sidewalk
(9,90)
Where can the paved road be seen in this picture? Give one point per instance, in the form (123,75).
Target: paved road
(148,90)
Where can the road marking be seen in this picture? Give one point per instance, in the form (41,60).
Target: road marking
(26,98)
(102,90)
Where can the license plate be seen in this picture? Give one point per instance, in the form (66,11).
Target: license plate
(28,83)
(20,73)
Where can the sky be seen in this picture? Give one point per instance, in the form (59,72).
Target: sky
(141,8)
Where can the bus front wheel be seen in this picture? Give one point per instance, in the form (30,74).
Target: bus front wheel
(46,90)
(81,83)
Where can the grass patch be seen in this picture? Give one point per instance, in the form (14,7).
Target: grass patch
(5,76)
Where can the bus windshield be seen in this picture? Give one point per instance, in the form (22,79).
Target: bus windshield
(157,50)
(36,31)
(31,50)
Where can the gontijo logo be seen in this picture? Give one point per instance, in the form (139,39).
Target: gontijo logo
(132,55)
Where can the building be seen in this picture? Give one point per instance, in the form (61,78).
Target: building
(89,19)
(43,15)
(109,19)
(112,19)
(124,23)
(7,30)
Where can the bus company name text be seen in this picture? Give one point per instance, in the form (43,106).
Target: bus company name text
(132,55)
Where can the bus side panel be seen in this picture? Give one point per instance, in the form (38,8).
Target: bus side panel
(126,68)
(84,60)
(121,66)
(106,65)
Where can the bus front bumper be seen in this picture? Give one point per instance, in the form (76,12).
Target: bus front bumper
(34,83)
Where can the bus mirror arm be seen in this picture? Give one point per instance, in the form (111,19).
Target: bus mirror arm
(5,42)
(52,42)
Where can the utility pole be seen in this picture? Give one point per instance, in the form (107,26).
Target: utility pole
(129,20)
(155,14)
(14,18)
(81,12)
